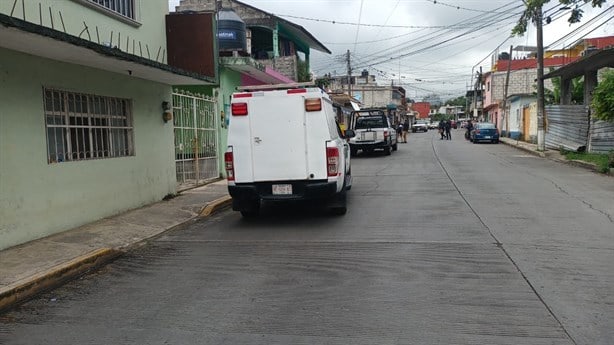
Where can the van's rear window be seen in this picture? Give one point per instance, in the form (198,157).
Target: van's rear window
(365,122)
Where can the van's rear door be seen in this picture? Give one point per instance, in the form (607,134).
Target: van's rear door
(278,138)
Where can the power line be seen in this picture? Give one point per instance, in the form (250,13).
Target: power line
(358,27)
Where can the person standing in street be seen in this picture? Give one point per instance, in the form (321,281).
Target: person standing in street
(441,128)
(405,130)
(447,127)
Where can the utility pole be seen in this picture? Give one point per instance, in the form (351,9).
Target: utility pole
(541,116)
(507,84)
(349,73)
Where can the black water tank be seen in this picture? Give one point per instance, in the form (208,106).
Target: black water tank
(504,56)
(230,31)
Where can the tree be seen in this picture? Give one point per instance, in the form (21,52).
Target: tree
(458,101)
(603,98)
(533,9)
(577,91)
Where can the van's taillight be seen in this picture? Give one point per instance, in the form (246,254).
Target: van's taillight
(291,91)
(313,104)
(239,109)
(332,161)
(386,135)
(230,167)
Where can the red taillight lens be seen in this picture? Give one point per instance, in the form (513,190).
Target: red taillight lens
(332,161)
(313,104)
(239,109)
(386,135)
(229,164)
(291,91)
(477,131)
(241,95)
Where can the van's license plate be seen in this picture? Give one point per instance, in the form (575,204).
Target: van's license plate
(282,189)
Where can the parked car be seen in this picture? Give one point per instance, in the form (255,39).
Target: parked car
(484,131)
(303,160)
(420,126)
(433,125)
(373,131)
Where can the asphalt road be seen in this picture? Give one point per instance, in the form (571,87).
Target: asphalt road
(444,242)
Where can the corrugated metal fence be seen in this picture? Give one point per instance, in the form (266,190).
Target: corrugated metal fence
(601,136)
(568,127)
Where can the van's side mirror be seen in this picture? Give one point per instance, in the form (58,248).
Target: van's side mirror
(349,133)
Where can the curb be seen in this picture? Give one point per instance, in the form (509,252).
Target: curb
(526,149)
(216,205)
(30,286)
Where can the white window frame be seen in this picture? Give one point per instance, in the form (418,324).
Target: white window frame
(118,9)
(85,127)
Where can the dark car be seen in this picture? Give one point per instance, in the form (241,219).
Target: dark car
(484,131)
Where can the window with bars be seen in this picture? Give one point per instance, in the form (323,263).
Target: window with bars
(123,7)
(82,127)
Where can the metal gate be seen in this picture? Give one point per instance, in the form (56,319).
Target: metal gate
(196,139)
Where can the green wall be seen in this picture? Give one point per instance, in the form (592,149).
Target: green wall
(38,199)
(149,31)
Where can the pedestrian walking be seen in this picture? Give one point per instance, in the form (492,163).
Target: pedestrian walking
(441,128)
(447,127)
(405,130)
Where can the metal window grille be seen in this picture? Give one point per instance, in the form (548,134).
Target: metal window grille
(83,127)
(123,7)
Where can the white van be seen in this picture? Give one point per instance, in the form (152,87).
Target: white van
(284,144)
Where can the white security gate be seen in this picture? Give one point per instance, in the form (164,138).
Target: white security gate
(196,139)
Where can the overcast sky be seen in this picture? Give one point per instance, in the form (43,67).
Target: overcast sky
(427,46)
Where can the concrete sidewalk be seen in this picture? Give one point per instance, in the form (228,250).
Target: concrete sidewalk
(549,154)
(30,268)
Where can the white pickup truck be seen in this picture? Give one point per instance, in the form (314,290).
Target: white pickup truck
(284,144)
(373,131)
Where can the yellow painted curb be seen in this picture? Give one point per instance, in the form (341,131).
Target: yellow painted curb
(37,283)
(216,205)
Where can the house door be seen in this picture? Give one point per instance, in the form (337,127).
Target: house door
(526,124)
(196,139)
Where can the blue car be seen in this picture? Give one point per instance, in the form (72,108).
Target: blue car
(484,131)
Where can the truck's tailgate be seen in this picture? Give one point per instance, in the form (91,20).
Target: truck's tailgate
(278,140)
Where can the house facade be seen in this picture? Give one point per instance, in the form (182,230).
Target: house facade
(422,108)
(85,86)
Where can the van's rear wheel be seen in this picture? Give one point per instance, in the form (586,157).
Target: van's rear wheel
(338,204)
(387,150)
(248,208)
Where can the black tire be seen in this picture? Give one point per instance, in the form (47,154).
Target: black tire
(496,141)
(387,150)
(251,211)
(338,204)
(353,152)
(395,147)
(474,141)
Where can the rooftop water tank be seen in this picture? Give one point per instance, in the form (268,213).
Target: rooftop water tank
(230,31)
